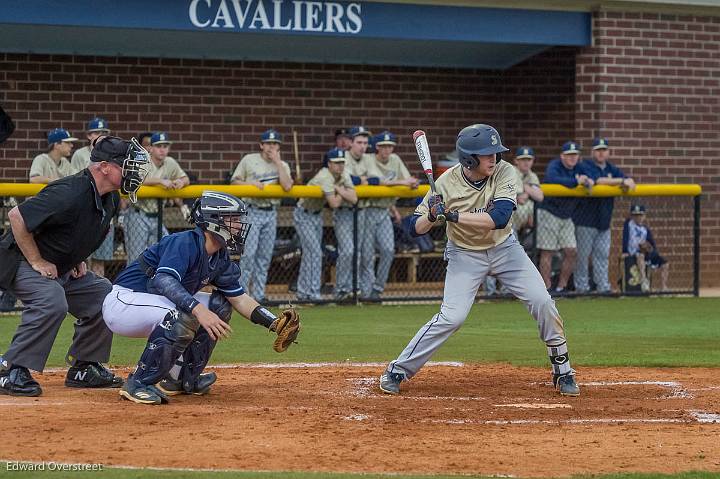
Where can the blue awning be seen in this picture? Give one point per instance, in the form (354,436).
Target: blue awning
(291,30)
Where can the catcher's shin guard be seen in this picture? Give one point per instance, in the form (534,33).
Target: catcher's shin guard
(166,343)
(196,356)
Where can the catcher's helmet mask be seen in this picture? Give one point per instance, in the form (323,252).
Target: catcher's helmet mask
(225,216)
(129,155)
(478,140)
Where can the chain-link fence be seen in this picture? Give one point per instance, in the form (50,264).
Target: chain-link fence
(367,255)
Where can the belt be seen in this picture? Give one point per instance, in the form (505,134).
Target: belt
(263,208)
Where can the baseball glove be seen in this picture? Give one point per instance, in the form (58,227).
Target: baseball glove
(287,327)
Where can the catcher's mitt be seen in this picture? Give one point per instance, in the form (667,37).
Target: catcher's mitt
(287,327)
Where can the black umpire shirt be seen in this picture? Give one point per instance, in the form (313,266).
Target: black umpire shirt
(69,219)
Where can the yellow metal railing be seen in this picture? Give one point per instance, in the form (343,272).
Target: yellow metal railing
(275,191)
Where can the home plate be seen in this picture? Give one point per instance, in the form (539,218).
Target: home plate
(535,405)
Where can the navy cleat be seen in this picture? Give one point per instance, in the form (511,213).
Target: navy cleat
(140,393)
(390,382)
(566,385)
(91,375)
(172,387)
(17,381)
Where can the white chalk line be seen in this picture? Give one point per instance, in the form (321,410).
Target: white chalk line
(451,364)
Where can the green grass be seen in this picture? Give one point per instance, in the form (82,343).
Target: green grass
(145,473)
(601,332)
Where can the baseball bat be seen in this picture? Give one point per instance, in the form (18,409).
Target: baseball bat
(423,152)
(298,174)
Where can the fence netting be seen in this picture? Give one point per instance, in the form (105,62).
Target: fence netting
(367,255)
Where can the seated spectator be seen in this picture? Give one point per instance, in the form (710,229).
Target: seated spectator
(638,241)
(54,164)
(555,230)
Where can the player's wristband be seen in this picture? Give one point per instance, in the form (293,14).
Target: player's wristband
(452,216)
(262,316)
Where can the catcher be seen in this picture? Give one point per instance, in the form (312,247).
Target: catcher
(156,297)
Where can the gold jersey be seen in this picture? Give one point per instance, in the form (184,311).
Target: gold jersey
(169,170)
(327,182)
(365,166)
(253,167)
(464,196)
(44,165)
(81,158)
(393,170)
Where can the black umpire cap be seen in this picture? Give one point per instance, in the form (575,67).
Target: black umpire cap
(111,149)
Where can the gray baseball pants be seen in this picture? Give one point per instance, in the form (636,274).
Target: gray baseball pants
(309,228)
(378,236)
(257,255)
(592,244)
(466,271)
(47,302)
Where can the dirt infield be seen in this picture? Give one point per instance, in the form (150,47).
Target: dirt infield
(494,419)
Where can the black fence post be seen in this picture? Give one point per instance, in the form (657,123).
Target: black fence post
(355,255)
(160,203)
(696,247)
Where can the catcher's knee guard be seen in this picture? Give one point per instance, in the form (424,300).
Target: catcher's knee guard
(166,343)
(198,353)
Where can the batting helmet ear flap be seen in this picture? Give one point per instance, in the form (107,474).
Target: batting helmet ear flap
(469,161)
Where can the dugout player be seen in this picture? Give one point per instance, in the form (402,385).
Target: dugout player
(478,197)
(49,166)
(338,189)
(157,297)
(379,235)
(261,169)
(41,262)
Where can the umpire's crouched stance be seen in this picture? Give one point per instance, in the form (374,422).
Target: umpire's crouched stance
(41,262)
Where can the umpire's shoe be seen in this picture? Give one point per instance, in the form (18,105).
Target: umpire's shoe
(17,381)
(390,382)
(172,387)
(566,385)
(142,393)
(91,375)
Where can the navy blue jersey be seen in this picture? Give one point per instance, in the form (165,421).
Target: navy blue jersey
(557,174)
(596,212)
(183,257)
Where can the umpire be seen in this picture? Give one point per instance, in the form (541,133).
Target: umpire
(41,262)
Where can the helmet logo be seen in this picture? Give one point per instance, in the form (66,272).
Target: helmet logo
(493,139)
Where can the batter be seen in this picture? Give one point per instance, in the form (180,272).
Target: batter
(478,197)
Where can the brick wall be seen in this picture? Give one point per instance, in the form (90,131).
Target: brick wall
(215,110)
(651,84)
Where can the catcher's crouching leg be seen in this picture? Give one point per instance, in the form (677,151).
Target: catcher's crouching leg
(186,376)
(166,343)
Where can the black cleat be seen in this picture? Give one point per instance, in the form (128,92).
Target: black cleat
(91,375)
(172,387)
(17,381)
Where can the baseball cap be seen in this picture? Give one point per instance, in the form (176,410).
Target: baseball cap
(386,138)
(600,144)
(570,147)
(637,209)
(59,134)
(271,136)
(341,132)
(97,124)
(160,138)
(524,152)
(336,155)
(359,130)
